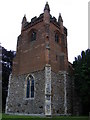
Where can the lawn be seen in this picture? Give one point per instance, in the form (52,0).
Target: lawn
(15,117)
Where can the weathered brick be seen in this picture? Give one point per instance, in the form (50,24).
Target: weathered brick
(31,58)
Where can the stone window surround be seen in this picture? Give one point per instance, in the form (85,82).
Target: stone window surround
(25,88)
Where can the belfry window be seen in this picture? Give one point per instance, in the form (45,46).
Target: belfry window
(30,87)
(57,38)
(33,36)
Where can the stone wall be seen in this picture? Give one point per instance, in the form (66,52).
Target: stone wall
(57,94)
(60,95)
(52,88)
(16,101)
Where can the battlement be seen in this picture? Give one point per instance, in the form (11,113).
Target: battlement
(40,83)
(36,20)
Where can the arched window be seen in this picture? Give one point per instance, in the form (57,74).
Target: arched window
(33,36)
(57,38)
(30,87)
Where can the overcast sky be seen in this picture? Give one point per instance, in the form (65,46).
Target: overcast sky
(74,14)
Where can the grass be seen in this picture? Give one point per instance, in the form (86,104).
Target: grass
(15,117)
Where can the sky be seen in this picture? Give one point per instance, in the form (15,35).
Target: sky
(74,14)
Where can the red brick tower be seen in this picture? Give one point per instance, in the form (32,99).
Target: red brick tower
(39,83)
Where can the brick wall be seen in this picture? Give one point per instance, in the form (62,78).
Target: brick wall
(31,55)
(31,58)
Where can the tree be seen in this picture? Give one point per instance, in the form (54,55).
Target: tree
(7,58)
(81,67)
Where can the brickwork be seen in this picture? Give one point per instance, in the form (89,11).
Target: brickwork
(30,55)
(35,51)
(41,52)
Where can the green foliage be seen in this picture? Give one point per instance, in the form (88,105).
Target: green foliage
(7,57)
(81,67)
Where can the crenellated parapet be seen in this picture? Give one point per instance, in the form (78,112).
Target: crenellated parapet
(45,17)
(40,84)
(36,20)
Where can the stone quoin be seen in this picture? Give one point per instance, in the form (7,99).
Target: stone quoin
(40,83)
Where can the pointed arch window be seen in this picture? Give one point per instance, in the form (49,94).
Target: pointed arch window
(33,36)
(57,36)
(30,87)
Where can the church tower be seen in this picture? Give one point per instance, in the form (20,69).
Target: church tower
(40,82)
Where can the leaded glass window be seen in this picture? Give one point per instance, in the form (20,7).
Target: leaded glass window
(30,87)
